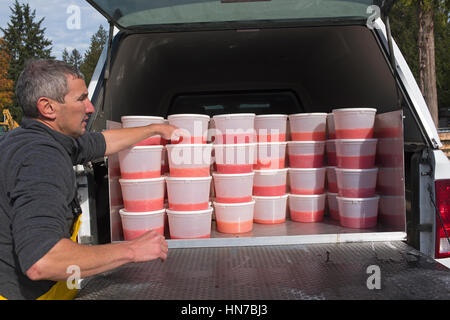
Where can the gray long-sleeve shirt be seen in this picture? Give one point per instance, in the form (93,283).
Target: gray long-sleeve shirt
(37,185)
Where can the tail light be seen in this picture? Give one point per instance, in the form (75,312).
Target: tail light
(442,245)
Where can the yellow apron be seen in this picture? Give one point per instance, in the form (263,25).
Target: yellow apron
(60,291)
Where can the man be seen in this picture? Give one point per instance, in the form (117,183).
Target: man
(38,187)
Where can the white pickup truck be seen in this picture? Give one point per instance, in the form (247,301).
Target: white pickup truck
(279,57)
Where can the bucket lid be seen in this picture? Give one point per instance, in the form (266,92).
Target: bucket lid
(235,145)
(141,118)
(307,195)
(274,143)
(262,116)
(188,179)
(334,194)
(137,181)
(284,196)
(141,148)
(354,109)
(307,114)
(305,142)
(357,170)
(376,197)
(271,171)
(187,115)
(173,212)
(233,115)
(130,213)
(234,204)
(307,169)
(189,145)
(226,175)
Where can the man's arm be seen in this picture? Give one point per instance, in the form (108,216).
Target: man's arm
(96,258)
(119,139)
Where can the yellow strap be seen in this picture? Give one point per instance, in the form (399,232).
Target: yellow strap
(60,291)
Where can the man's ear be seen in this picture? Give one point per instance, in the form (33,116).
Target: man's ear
(46,108)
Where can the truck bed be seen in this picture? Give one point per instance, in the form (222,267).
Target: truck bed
(278,272)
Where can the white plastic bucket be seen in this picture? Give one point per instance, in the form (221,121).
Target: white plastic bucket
(354,123)
(141,195)
(142,162)
(308,126)
(269,183)
(233,188)
(356,183)
(234,217)
(359,213)
(188,194)
(271,127)
(392,210)
(194,124)
(234,128)
(331,132)
(306,154)
(356,153)
(307,208)
(270,210)
(330,148)
(333,207)
(139,121)
(270,156)
(235,158)
(135,224)
(331,179)
(307,181)
(189,160)
(190,225)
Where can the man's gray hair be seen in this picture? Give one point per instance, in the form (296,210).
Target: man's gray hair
(43,78)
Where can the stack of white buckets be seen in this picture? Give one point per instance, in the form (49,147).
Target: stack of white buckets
(251,179)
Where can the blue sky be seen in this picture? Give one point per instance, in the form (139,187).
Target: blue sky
(64,26)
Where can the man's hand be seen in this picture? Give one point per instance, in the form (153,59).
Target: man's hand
(170,132)
(149,246)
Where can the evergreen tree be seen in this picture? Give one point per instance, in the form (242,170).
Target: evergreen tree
(25,39)
(98,41)
(74,58)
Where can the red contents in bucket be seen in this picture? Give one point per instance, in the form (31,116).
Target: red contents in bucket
(357,192)
(234,168)
(281,137)
(307,191)
(199,237)
(233,200)
(141,174)
(150,141)
(331,158)
(331,135)
(356,162)
(332,187)
(334,214)
(236,138)
(306,161)
(308,136)
(269,190)
(189,172)
(360,133)
(269,221)
(234,227)
(144,205)
(188,206)
(269,164)
(200,139)
(358,223)
(132,234)
(307,216)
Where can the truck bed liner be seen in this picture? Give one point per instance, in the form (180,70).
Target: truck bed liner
(280,272)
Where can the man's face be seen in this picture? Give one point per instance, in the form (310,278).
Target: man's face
(72,115)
